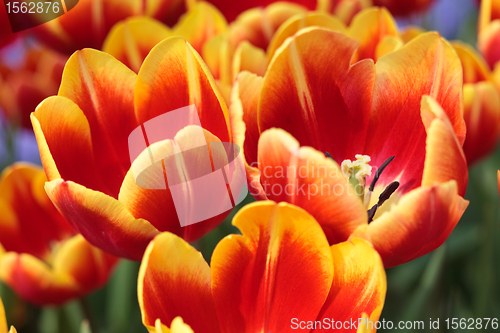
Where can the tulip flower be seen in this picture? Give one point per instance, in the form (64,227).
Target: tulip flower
(42,259)
(407,105)
(481,104)
(404,8)
(345,10)
(3,321)
(86,25)
(374,28)
(83,137)
(131,40)
(280,273)
(23,88)
(489,31)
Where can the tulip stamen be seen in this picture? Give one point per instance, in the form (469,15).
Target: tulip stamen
(375,179)
(384,196)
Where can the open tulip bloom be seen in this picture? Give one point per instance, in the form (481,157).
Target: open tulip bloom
(401,115)
(280,275)
(41,257)
(83,138)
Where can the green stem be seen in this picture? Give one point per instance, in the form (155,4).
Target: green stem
(84,304)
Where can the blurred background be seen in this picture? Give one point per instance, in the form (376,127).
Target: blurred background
(460,279)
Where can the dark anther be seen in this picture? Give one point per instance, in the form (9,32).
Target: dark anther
(389,190)
(379,172)
(327,154)
(371,212)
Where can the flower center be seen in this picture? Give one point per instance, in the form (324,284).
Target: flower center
(356,173)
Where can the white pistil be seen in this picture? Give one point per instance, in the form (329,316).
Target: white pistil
(356,173)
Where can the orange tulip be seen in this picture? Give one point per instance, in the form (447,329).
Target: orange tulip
(86,25)
(83,136)
(280,273)
(23,88)
(481,104)
(3,321)
(131,40)
(317,98)
(345,10)
(405,7)
(489,31)
(41,257)
(243,46)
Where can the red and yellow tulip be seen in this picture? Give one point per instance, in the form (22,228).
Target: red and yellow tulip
(131,40)
(86,25)
(3,321)
(408,105)
(23,88)
(83,135)
(280,268)
(481,104)
(489,31)
(41,257)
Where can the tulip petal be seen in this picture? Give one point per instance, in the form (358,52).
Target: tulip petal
(306,178)
(359,282)
(155,203)
(76,269)
(249,58)
(217,54)
(98,17)
(411,32)
(174,280)
(167,11)
(488,41)
(386,45)
(102,87)
(418,224)
(444,157)
(199,24)
(489,11)
(101,219)
(258,25)
(64,143)
(184,80)
(131,40)
(282,249)
(243,111)
(34,281)
(369,27)
(311,91)
(3,320)
(427,65)
(29,221)
(498,180)
(345,10)
(90,267)
(243,118)
(474,67)
(300,21)
(482,116)
(177,326)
